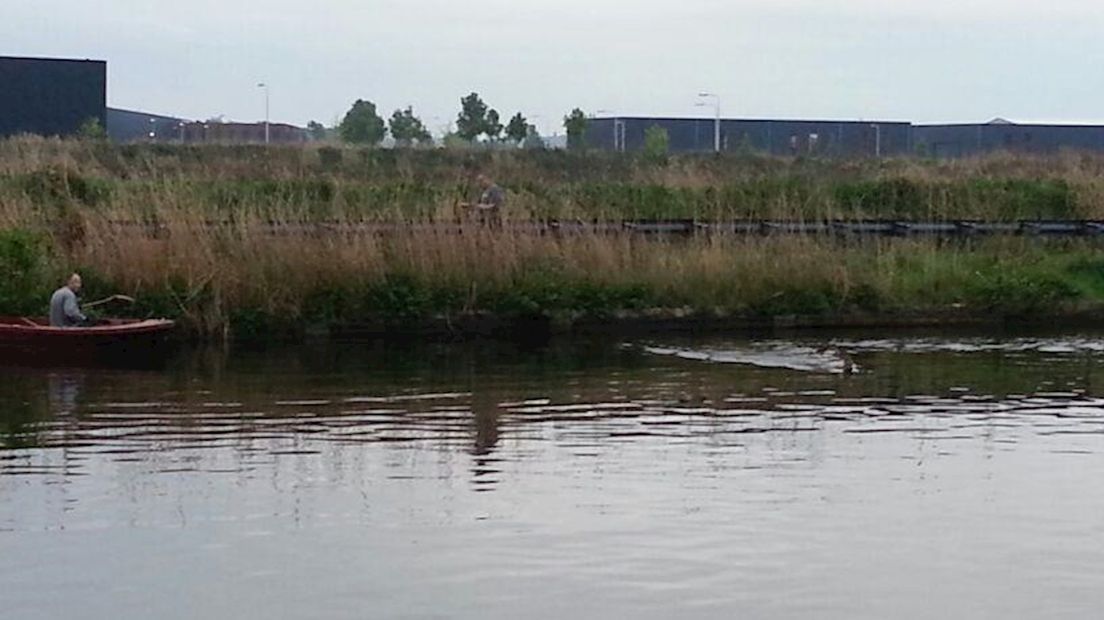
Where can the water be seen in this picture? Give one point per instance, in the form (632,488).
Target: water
(945,476)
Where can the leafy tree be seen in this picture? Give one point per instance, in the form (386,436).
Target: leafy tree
(472,120)
(533,139)
(576,126)
(518,128)
(656,144)
(493,126)
(317,130)
(91,129)
(362,125)
(407,129)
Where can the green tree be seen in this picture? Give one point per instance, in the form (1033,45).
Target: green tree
(407,129)
(472,121)
(518,128)
(91,129)
(317,130)
(656,144)
(533,139)
(576,126)
(362,125)
(493,127)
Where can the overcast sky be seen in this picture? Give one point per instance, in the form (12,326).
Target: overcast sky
(923,60)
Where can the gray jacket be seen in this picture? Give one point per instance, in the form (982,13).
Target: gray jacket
(64,309)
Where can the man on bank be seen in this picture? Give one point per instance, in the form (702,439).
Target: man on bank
(489,207)
(64,307)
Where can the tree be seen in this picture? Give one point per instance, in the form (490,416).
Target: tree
(656,144)
(317,130)
(407,129)
(472,120)
(493,126)
(91,129)
(518,128)
(362,125)
(533,139)
(576,126)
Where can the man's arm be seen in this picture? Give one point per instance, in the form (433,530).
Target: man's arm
(72,309)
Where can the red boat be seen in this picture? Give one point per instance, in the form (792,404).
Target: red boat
(33,341)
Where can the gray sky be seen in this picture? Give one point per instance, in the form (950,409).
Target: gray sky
(924,60)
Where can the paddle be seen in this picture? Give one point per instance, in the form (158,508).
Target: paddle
(128,299)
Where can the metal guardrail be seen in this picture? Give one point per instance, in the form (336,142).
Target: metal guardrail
(839,228)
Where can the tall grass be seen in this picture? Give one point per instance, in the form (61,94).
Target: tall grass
(211,235)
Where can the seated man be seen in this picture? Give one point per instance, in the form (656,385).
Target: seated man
(64,307)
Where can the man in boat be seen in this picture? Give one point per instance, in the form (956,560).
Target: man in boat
(489,207)
(64,307)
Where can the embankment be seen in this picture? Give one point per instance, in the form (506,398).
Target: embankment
(195,234)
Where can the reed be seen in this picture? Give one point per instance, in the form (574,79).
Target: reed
(213,236)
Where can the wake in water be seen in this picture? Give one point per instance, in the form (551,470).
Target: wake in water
(826,360)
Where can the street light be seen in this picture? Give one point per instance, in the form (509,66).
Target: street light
(717,121)
(618,131)
(877,140)
(265,87)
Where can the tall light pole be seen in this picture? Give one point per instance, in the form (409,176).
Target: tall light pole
(717,121)
(877,140)
(618,131)
(264,85)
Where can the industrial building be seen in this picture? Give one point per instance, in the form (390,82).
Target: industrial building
(245,133)
(51,97)
(844,138)
(965,140)
(773,137)
(134,126)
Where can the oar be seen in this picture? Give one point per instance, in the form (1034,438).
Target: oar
(108,300)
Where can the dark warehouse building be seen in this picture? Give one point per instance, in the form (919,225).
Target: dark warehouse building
(51,97)
(964,140)
(133,126)
(774,137)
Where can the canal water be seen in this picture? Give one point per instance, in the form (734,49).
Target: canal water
(818,476)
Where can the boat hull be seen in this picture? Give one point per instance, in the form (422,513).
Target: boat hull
(25,341)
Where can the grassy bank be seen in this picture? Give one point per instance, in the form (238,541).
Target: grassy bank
(68,206)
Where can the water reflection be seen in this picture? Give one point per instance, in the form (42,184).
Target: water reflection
(468,401)
(741,473)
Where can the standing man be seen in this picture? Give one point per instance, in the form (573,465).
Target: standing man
(64,307)
(489,207)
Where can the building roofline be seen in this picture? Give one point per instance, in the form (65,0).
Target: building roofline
(997,126)
(52,59)
(748,120)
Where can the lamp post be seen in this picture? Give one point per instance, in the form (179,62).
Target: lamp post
(877,140)
(618,131)
(264,85)
(717,120)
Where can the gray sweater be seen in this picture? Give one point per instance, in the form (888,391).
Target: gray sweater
(64,309)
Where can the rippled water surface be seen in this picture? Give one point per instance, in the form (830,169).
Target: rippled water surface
(828,476)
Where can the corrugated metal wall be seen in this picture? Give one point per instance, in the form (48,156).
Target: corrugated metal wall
(51,97)
(774,137)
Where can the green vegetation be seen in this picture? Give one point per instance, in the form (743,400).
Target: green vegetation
(517,129)
(656,144)
(408,129)
(92,129)
(576,126)
(363,125)
(221,237)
